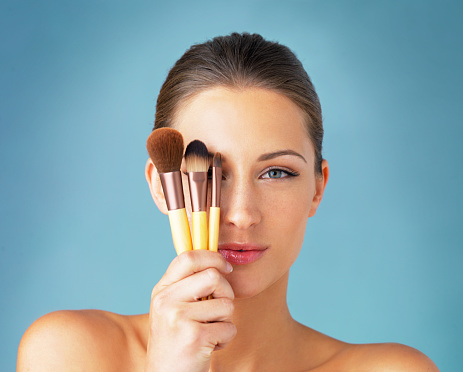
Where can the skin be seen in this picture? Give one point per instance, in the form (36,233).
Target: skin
(246,326)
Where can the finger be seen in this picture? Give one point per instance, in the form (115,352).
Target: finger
(191,262)
(199,285)
(215,310)
(219,334)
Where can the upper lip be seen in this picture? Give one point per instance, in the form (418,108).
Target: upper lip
(242,246)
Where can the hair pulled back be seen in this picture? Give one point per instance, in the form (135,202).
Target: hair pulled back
(241,61)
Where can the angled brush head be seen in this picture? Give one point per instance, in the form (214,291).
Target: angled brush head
(216,179)
(197,157)
(217,161)
(165,148)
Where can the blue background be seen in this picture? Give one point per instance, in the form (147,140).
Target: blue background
(382,258)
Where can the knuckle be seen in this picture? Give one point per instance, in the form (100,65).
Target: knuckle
(157,289)
(193,334)
(173,317)
(183,258)
(159,302)
(214,276)
(188,259)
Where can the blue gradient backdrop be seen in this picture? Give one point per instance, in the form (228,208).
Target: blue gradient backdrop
(382,258)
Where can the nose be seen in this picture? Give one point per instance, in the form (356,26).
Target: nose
(240,205)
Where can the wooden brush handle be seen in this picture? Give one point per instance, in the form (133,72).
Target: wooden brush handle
(214,221)
(180,230)
(199,220)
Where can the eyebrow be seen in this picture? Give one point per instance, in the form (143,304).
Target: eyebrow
(275,154)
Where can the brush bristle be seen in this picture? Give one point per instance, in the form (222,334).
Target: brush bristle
(165,148)
(197,157)
(217,161)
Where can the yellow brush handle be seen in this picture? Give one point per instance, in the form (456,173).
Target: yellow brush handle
(180,230)
(199,230)
(214,221)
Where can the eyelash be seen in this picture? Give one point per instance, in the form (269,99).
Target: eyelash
(289,172)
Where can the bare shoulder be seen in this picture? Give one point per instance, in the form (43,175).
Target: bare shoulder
(84,340)
(329,354)
(386,357)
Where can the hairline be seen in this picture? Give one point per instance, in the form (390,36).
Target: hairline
(185,101)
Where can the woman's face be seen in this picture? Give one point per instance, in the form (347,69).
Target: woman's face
(269,187)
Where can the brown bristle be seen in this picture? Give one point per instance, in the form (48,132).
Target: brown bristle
(197,157)
(165,148)
(217,161)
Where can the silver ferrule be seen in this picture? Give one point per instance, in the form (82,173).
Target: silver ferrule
(173,190)
(216,183)
(198,190)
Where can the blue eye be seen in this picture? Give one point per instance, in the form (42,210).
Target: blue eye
(276,173)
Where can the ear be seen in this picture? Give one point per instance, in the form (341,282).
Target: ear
(320,184)
(154,183)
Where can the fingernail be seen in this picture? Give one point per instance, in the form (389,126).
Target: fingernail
(229,267)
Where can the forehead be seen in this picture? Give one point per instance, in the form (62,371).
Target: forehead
(245,122)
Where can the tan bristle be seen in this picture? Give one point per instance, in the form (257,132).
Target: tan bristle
(217,161)
(197,157)
(165,148)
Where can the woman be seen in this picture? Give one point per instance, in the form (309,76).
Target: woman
(252,101)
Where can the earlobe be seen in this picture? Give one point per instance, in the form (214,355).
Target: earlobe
(154,183)
(320,184)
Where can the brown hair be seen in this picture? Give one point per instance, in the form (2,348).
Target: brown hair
(241,61)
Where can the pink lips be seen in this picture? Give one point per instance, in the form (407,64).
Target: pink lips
(241,253)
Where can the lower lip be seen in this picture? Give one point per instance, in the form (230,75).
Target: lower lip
(241,257)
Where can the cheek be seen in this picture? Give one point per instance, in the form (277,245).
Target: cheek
(288,220)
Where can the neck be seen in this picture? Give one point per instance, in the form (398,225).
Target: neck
(264,327)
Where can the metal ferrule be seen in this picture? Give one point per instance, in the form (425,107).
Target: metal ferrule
(216,183)
(173,190)
(198,190)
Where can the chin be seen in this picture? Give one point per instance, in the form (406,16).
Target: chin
(244,293)
(248,284)
(243,285)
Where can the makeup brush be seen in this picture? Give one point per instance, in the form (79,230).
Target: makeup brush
(165,148)
(214,210)
(197,165)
